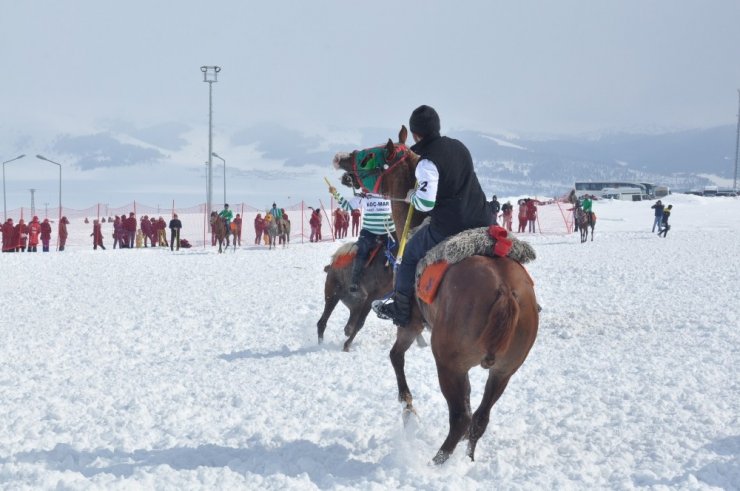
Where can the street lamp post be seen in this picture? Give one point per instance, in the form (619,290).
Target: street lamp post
(210,75)
(5,204)
(224,161)
(60,186)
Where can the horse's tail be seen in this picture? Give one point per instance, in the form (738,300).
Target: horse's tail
(502,319)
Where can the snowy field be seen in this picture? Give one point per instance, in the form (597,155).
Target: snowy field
(146,369)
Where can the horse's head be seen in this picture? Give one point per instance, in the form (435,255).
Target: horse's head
(367,169)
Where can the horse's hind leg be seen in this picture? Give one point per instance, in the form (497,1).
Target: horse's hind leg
(331,300)
(355,323)
(495,386)
(456,389)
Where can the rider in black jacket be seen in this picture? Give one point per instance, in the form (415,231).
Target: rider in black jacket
(449,191)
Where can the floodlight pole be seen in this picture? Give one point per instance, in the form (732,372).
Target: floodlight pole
(60,183)
(5,204)
(737,144)
(210,75)
(224,161)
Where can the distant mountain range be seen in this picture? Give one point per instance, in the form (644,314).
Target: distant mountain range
(682,160)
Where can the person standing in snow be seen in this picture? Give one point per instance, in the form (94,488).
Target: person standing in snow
(97,235)
(495,208)
(34,231)
(175,226)
(45,235)
(9,241)
(63,232)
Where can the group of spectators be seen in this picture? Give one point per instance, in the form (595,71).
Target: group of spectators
(129,233)
(261,224)
(22,237)
(342,219)
(527,213)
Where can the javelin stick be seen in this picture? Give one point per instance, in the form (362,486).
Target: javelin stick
(406,228)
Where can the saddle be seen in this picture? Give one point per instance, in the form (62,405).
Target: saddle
(345,255)
(493,241)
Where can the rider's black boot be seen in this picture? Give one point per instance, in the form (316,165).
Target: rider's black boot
(397,309)
(354,286)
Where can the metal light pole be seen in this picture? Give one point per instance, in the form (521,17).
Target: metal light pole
(5,204)
(224,161)
(210,75)
(60,183)
(33,202)
(737,145)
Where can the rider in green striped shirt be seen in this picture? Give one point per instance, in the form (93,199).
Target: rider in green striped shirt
(377,224)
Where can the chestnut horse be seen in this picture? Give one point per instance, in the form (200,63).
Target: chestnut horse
(496,328)
(218,229)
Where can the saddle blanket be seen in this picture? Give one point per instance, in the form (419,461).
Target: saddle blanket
(493,241)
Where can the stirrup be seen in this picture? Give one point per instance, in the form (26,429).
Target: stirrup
(377,305)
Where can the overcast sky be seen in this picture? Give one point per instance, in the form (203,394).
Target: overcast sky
(78,68)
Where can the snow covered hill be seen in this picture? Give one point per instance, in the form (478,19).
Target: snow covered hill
(146,369)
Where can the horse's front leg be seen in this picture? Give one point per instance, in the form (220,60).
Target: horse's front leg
(356,321)
(405,336)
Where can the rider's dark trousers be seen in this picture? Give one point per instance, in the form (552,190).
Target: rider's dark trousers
(423,240)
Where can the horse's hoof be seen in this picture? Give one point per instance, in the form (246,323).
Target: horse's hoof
(440,458)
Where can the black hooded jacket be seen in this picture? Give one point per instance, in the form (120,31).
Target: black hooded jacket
(460,203)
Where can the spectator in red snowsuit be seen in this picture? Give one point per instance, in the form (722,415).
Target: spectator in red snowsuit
(146,229)
(21,236)
(117,232)
(9,236)
(63,232)
(345,223)
(130,227)
(522,216)
(315,223)
(237,223)
(45,235)
(338,223)
(259,227)
(356,221)
(531,214)
(97,235)
(34,231)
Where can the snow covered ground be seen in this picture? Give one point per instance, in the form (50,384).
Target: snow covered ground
(150,369)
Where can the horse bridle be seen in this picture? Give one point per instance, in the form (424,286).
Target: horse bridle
(399,156)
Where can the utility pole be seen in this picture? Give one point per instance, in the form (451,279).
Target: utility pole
(737,144)
(210,75)
(33,203)
(46,210)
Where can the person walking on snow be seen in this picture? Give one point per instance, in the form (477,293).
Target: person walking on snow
(658,207)
(175,226)
(97,235)
(447,189)
(63,232)
(664,227)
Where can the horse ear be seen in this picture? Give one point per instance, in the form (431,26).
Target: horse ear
(403,134)
(390,148)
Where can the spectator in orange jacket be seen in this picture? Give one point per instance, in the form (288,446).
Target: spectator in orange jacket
(45,234)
